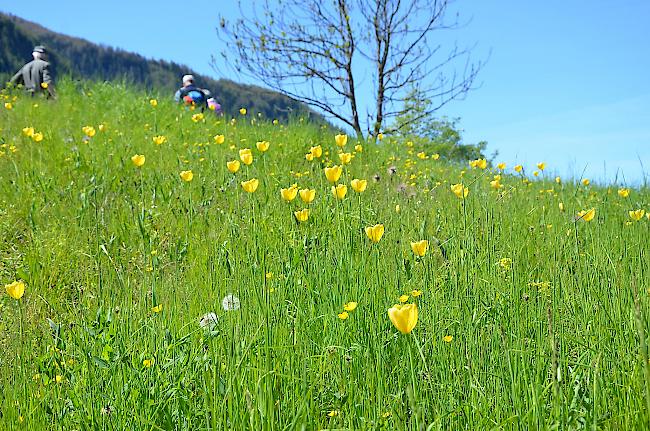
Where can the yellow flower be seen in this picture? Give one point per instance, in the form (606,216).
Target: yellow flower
(309,157)
(263,146)
(416,293)
(138,160)
(233,166)
(37,137)
(197,117)
(585,182)
(420,247)
(345,158)
(289,194)
(350,306)
(246,156)
(159,140)
(148,362)
(558,180)
(496,184)
(9,106)
(403,298)
(187,176)
(422,155)
(358,185)
(397,208)
(404,317)
(16,289)
(316,151)
(89,131)
(153,102)
(251,185)
(58,378)
(636,215)
(447,338)
(501,166)
(242,111)
(535,173)
(561,206)
(333,174)
(358,148)
(302,215)
(307,195)
(481,163)
(541,166)
(219,139)
(44,85)
(518,168)
(435,156)
(380,136)
(102,127)
(375,232)
(339,191)
(28,131)
(587,215)
(460,190)
(343,315)
(624,192)
(341,140)
(157,309)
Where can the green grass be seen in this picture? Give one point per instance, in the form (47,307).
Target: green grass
(551,340)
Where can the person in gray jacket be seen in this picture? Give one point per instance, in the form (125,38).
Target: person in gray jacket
(36,76)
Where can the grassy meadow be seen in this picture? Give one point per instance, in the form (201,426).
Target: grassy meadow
(159,300)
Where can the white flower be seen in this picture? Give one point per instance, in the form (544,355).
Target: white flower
(230,303)
(209,321)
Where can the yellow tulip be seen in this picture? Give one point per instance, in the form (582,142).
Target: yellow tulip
(89,131)
(187,176)
(339,191)
(197,117)
(636,215)
(302,215)
(561,206)
(460,190)
(496,184)
(501,166)
(138,160)
(148,362)
(359,186)
(375,232)
(358,148)
(585,182)
(380,136)
(153,102)
(478,163)
(16,289)
(435,156)
(404,317)
(350,306)
(233,166)
(157,309)
(159,140)
(246,158)
(289,194)
(9,106)
(333,174)
(345,158)
(518,168)
(447,338)
(316,151)
(420,247)
(219,139)
(263,146)
(541,166)
(421,155)
(343,315)
(28,131)
(341,140)
(307,195)
(309,157)
(624,192)
(416,293)
(587,215)
(37,137)
(251,185)
(242,111)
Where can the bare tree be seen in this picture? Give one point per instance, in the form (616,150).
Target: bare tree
(320,52)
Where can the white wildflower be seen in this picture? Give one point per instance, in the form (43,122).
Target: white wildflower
(230,303)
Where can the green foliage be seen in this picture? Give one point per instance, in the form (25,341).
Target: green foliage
(540,303)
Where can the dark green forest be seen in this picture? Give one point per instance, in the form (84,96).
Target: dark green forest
(85,60)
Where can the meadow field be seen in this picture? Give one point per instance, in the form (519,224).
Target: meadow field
(148,287)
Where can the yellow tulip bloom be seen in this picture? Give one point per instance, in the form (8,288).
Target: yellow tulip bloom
(496,184)
(157,309)
(309,157)
(358,148)
(89,131)
(447,338)
(16,289)
(343,315)
(28,131)
(187,176)
(345,158)
(153,102)
(518,168)
(246,158)
(501,166)
(289,194)
(403,298)
(404,317)
(159,140)
(380,136)
(233,166)
(636,215)
(219,139)
(561,206)
(251,185)
(481,163)
(333,174)
(585,182)
(350,306)
(420,247)
(435,156)
(375,232)
(416,293)
(421,155)
(302,215)
(242,111)
(460,190)
(138,160)
(197,117)
(339,191)
(37,137)
(307,195)
(358,185)
(316,151)
(587,215)
(148,362)
(341,140)
(263,146)
(541,166)
(9,106)
(624,192)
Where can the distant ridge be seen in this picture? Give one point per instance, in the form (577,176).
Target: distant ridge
(86,60)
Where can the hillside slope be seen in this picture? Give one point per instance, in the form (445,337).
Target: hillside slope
(83,59)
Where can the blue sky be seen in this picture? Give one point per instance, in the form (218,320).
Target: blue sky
(566,82)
